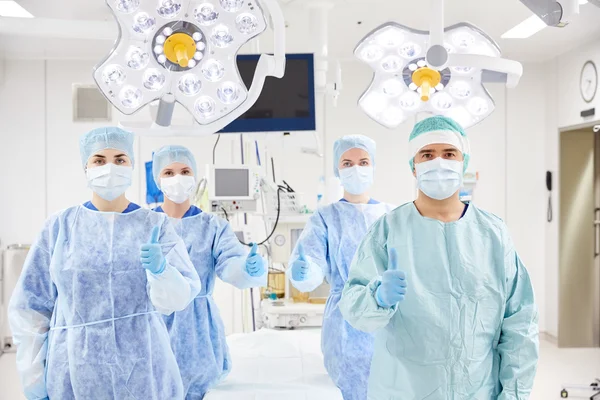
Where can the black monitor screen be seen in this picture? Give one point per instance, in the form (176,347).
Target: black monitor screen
(286,104)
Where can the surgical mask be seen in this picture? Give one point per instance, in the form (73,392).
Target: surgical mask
(439,179)
(356,180)
(109,181)
(178,188)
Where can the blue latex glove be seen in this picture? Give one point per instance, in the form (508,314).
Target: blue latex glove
(152,256)
(300,266)
(255,265)
(393,284)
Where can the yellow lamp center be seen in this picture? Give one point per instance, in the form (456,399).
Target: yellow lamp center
(180,49)
(426,78)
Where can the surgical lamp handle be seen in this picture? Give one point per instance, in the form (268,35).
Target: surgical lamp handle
(512,69)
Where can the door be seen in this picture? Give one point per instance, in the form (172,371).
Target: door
(579,308)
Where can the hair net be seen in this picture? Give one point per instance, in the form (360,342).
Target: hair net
(168,155)
(105,138)
(438,129)
(346,143)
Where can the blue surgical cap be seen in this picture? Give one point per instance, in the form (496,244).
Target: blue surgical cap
(349,142)
(168,155)
(438,129)
(100,139)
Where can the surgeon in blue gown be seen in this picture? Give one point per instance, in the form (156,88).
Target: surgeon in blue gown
(86,312)
(197,333)
(442,286)
(325,250)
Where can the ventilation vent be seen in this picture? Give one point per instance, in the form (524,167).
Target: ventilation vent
(89,104)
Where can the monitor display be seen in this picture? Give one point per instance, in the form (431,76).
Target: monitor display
(284,105)
(232,182)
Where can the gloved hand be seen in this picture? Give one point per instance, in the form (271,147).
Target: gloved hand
(255,265)
(152,256)
(393,284)
(300,266)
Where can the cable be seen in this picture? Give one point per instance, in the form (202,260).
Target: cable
(279,189)
(215,148)
(226,215)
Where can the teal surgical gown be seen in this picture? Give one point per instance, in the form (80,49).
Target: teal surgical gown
(197,333)
(86,316)
(467,328)
(330,240)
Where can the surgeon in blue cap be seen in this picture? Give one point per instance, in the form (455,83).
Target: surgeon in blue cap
(442,285)
(325,250)
(197,333)
(86,313)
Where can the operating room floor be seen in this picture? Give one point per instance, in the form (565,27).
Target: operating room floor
(557,366)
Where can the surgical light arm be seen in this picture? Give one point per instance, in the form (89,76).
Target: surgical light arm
(555,13)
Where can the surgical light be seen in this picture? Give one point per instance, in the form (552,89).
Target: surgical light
(185,51)
(437,72)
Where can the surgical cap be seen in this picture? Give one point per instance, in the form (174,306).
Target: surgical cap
(168,155)
(438,130)
(349,142)
(105,138)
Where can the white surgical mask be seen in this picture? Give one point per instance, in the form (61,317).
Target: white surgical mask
(439,179)
(356,180)
(178,188)
(109,181)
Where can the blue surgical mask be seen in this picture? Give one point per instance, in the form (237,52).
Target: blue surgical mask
(109,181)
(439,178)
(356,180)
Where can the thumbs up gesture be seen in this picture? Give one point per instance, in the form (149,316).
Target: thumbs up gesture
(300,266)
(255,265)
(393,284)
(152,257)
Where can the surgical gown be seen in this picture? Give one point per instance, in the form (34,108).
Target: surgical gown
(330,239)
(85,313)
(467,328)
(197,333)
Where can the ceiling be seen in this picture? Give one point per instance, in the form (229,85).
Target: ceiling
(49,37)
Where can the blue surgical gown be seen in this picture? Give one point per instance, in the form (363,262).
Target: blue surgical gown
(330,240)
(197,333)
(467,328)
(85,314)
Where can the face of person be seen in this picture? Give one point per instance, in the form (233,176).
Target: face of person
(354,157)
(433,151)
(108,156)
(176,169)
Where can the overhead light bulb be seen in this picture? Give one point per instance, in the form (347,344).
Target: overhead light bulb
(372,53)
(114,75)
(205,107)
(393,87)
(190,84)
(127,6)
(460,89)
(143,23)
(228,93)
(246,23)
(410,50)
(409,101)
(137,58)
(130,96)
(221,36)
(213,70)
(391,64)
(205,14)
(154,79)
(168,9)
(441,101)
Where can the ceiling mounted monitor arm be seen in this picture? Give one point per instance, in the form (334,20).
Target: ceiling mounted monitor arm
(555,13)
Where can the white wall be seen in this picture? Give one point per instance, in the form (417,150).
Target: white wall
(48,176)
